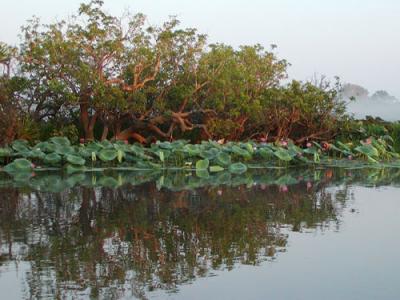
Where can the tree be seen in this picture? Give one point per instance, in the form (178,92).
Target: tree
(236,92)
(9,114)
(94,61)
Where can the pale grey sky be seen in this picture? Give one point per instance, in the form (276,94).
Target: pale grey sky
(357,40)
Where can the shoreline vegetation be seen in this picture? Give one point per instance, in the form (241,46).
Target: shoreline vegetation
(101,91)
(207,157)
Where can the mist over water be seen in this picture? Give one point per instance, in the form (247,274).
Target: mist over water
(379,104)
(383,108)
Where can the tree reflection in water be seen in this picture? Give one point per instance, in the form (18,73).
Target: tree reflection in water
(130,240)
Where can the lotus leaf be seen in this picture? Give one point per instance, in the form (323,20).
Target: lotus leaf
(237,168)
(52,159)
(209,154)
(192,150)
(202,164)
(239,151)
(283,154)
(108,155)
(19,165)
(60,141)
(223,159)
(75,160)
(202,173)
(75,169)
(5,152)
(20,146)
(108,181)
(368,150)
(215,169)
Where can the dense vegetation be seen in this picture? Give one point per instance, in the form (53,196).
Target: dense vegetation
(97,77)
(208,156)
(100,77)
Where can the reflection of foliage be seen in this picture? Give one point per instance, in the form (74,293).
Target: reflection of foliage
(99,239)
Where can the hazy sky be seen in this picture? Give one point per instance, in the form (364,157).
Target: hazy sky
(358,40)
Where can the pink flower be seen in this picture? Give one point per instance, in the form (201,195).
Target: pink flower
(126,142)
(309,145)
(368,141)
(284,143)
(283,188)
(326,146)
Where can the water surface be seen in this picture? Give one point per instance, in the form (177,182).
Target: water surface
(277,234)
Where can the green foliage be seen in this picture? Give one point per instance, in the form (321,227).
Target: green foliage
(210,156)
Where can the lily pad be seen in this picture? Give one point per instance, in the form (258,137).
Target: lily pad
(19,165)
(5,152)
(52,159)
(60,140)
(202,164)
(75,160)
(215,169)
(223,159)
(75,169)
(238,168)
(108,155)
(283,154)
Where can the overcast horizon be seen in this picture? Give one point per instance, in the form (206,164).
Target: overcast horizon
(353,39)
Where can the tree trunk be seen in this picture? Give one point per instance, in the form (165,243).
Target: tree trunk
(87,122)
(105,132)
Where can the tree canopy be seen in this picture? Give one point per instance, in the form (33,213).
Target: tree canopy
(97,76)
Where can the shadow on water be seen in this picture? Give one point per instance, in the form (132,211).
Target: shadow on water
(132,233)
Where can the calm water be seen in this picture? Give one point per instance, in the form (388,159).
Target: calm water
(278,234)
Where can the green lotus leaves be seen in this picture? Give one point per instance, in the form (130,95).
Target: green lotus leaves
(283,154)
(202,173)
(165,145)
(238,168)
(108,181)
(52,159)
(36,153)
(265,153)
(106,144)
(75,160)
(45,147)
(368,150)
(93,147)
(20,146)
(202,164)
(241,152)
(64,150)
(192,150)
(19,165)
(249,147)
(5,152)
(60,141)
(215,169)
(108,155)
(147,165)
(209,154)
(223,159)
(75,169)
(286,180)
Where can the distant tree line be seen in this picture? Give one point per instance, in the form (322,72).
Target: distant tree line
(97,76)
